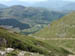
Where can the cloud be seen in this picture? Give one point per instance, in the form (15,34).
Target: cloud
(5,0)
(70,0)
(32,0)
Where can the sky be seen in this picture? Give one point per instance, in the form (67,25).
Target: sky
(20,2)
(27,2)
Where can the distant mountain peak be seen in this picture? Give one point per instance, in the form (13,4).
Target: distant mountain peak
(18,6)
(2,6)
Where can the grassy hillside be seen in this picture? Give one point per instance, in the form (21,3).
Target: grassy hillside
(26,43)
(21,42)
(60,33)
(63,28)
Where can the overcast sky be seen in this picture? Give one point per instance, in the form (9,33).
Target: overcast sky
(13,2)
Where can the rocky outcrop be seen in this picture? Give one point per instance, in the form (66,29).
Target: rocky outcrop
(2,42)
(7,51)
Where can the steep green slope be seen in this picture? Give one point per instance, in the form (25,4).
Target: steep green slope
(14,40)
(60,33)
(21,42)
(64,27)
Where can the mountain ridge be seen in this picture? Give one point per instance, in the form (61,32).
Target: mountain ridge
(30,15)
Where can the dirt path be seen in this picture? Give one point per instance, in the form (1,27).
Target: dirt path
(56,38)
(52,38)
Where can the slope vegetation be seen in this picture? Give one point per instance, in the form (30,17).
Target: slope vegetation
(60,33)
(63,28)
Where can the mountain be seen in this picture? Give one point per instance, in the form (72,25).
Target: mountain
(57,5)
(30,15)
(52,4)
(69,7)
(10,39)
(3,6)
(62,28)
